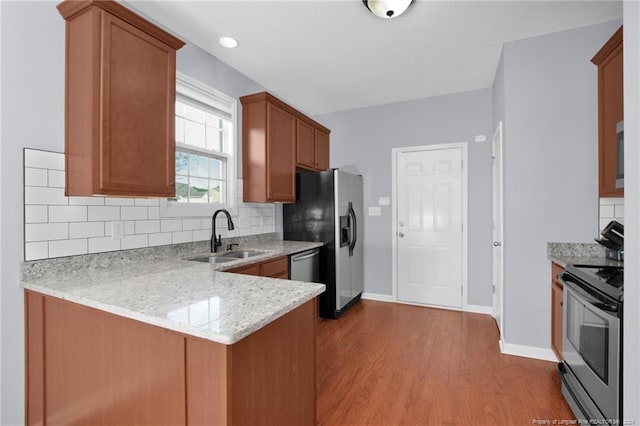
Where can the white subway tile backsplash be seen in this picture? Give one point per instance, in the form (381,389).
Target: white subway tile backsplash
(35,177)
(171,225)
(134,241)
(118,201)
(202,235)
(159,239)
(67,247)
(619,210)
(97,245)
(147,226)
(43,159)
(44,195)
(134,213)
(107,228)
(181,237)
(154,212)
(607,211)
(129,227)
(35,214)
(103,213)
(86,201)
(56,225)
(34,251)
(611,209)
(147,202)
(86,229)
(56,178)
(191,224)
(67,213)
(46,231)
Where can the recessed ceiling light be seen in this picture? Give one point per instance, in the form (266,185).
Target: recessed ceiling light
(228,42)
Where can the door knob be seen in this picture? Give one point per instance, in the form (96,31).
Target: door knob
(497,243)
(400,234)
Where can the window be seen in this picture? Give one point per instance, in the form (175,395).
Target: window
(205,147)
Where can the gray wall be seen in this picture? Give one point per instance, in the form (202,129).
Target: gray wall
(631,338)
(362,139)
(551,166)
(497,95)
(32,49)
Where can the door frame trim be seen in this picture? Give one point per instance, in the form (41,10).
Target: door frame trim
(465,216)
(498,132)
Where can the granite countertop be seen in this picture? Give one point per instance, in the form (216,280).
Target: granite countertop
(579,254)
(194,298)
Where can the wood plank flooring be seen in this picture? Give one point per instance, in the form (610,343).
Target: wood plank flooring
(391,364)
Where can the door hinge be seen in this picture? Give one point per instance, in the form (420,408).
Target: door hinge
(493,288)
(461,164)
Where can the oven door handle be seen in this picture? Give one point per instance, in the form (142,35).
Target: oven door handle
(606,307)
(587,297)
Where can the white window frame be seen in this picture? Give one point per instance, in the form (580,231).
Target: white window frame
(197,90)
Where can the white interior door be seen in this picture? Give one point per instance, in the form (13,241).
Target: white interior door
(429,238)
(497,228)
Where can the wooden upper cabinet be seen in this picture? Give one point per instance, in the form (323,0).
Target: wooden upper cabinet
(610,112)
(312,147)
(120,102)
(275,139)
(305,152)
(281,135)
(321,150)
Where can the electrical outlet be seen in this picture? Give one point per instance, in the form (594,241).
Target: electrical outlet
(374,211)
(117,230)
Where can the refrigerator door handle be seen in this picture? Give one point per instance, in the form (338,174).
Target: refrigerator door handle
(354,229)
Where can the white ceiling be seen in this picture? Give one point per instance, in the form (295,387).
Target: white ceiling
(324,56)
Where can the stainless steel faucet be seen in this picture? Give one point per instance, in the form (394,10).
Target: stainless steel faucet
(217,241)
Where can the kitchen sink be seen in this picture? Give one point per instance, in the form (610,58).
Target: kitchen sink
(212,259)
(243,254)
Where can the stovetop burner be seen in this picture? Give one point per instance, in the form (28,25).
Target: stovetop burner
(606,279)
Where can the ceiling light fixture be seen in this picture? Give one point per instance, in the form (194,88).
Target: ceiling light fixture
(228,42)
(387,8)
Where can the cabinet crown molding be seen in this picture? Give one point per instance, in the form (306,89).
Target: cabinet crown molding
(266,96)
(72,8)
(609,46)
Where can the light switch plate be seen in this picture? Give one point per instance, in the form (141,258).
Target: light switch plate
(384,201)
(374,211)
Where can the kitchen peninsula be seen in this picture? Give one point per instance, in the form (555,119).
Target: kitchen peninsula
(169,341)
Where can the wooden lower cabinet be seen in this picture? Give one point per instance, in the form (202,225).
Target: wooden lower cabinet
(273,268)
(86,366)
(556,310)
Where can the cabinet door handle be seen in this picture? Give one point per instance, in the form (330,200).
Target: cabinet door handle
(172,183)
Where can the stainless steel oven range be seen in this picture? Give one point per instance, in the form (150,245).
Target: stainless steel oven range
(591,371)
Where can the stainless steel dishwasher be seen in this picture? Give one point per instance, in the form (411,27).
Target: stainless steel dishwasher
(305,266)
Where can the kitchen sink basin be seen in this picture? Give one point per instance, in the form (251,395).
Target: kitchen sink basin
(243,254)
(212,259)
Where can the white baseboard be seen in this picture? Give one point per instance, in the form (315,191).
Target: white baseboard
(528,351)
(479,309)
(378,297)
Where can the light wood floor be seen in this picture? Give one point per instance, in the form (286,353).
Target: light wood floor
(387,364)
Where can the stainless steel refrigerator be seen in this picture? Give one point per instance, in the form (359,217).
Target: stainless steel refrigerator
(329,208)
